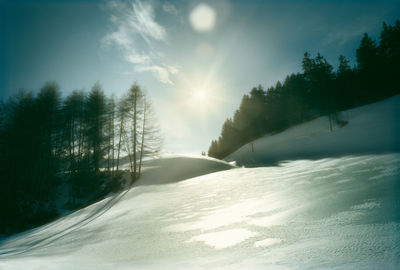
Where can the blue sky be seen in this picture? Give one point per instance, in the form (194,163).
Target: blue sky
(196,78)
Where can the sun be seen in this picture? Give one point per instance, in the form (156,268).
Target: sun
(202,18)
(201,95)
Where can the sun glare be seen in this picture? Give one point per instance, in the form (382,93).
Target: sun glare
(201,99)
(200,95)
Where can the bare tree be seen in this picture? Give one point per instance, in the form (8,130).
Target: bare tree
(151,140)
(122,116)
(95,115)
(141,136)
(135,101)
(110,133)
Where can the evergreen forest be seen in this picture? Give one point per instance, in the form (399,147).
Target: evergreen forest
(317,90)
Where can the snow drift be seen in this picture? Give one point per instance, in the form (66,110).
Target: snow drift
(373,128)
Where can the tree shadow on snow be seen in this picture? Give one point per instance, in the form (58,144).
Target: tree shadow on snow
(35,240)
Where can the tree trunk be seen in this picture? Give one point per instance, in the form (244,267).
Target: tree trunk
(134,136)
(142,142)
(113,140)
(121,126)
(109,144)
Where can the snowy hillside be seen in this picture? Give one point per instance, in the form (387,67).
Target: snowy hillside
(336,213)
(174,168)
(341,212)
(373,128)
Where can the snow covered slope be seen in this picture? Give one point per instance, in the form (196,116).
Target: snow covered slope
(336,213)
(373,128)
(174,168)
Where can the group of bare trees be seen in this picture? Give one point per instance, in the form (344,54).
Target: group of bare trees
(138,133)
(99,131)
(83,140)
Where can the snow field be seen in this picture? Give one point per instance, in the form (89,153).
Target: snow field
(340,212)
(337,213)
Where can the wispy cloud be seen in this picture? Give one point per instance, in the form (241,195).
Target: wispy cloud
(170,8)
(161,72)
(137,35)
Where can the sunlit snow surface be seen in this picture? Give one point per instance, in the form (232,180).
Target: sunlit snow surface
(338,213)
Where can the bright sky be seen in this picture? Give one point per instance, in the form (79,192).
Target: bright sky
(196,59)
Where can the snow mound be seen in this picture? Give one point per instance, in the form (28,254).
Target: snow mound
(174,168)
(373,128)
(335,213)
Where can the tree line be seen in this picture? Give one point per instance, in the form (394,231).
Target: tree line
(317,90)
(80,141)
